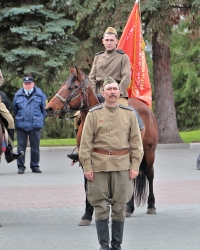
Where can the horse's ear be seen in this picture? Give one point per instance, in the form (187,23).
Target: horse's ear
(79,73)
(72,70)
(76,70)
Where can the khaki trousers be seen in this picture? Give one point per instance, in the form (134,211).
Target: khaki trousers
(107,189)
(6,115)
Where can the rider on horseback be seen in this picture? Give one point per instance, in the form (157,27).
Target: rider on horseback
(8,122)
(110,62)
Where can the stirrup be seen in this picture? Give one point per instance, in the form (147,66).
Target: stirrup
(17,155)
(73,156)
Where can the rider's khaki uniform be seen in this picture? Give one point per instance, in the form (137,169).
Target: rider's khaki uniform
(113,63)
(110,129)
(4,111)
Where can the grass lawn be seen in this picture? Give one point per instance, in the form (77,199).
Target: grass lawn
(58,142)
(191,136)
(187,137)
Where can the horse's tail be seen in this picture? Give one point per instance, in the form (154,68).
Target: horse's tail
(141,185)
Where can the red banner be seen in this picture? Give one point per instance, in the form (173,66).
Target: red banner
(132,43)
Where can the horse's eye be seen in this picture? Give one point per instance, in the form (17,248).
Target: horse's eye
(70,88)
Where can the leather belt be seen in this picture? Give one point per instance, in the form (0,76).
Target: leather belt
(106,152)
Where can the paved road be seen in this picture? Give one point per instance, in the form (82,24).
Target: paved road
(42,211)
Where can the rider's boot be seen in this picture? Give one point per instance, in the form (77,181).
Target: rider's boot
(9,155)
(74,155)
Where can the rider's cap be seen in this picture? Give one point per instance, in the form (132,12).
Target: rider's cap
(27,79)
(108,80)
(111,30)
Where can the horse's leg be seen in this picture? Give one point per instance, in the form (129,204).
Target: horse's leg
(150,156)
(87,217)
(130,207)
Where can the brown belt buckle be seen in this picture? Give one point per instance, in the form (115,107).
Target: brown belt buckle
(109,152)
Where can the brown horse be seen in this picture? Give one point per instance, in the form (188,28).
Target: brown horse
(77,94)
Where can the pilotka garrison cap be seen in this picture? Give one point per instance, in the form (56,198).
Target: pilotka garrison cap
(108,80)
(28,79)
(111,30)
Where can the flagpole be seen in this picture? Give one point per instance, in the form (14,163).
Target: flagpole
(138,1)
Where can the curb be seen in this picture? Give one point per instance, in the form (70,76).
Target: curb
(159,146)
(179,145)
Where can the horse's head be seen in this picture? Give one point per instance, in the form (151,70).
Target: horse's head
(71,96)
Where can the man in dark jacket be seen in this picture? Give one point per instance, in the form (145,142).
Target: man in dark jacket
(29,109)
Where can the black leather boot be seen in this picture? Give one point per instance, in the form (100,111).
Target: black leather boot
(9,155)
(117,234)
(103,233)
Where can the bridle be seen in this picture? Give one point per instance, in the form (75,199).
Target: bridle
(81,96)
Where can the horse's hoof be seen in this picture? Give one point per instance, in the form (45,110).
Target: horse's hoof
(128,214)
(151,211)
(84,223)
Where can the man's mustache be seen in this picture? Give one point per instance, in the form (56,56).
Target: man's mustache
(112,95)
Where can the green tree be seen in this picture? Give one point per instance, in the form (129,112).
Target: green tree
(158,18)
(35,38)
(185,58)
(92,19)
(46,27)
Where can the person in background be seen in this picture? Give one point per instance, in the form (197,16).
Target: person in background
(29,109)
(8,122)
(111,135)
(198,163)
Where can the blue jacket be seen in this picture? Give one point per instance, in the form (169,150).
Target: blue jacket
(29,112)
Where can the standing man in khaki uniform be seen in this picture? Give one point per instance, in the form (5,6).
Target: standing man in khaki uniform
(111,62)
(110,134)
(9,124)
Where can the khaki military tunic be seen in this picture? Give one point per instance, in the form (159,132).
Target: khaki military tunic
(4,111)
(6,114)
(111,63)
(110,129)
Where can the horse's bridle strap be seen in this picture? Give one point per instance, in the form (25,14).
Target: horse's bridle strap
(61,98)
